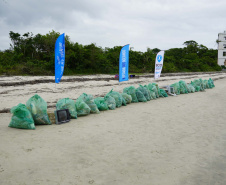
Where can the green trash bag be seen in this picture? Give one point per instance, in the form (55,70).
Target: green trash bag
(153,88)
(21,118)
(183,87)
(82,108)
(89,100)
(163,93)
(198,85)
(101,103)
(149,92)
(140,96)
(153,95)
(211,83)
(176,87)
(117,96)
(110,102)
(132,92)
(123,101)
(145,92)
(157,87)
(206,85)
(127,97)
(152,92)
(69,104)
(38,108)
(160,94)
(191,88)
(202,84)
(197,88)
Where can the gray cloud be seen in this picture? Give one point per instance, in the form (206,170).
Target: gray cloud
(146,23)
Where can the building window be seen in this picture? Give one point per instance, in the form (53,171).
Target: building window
(224,54)
(224,45)
(224,38)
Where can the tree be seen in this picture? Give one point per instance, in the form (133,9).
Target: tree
(191,43)
(34,55)
(191,46)
(155,50)
(16,40)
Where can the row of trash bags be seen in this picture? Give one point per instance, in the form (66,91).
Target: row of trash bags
(196,85)
(87,104)
(35,110)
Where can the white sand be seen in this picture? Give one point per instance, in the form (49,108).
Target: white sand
(13,95)
(169,141)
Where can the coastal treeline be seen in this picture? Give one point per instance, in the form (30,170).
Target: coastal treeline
(31,54)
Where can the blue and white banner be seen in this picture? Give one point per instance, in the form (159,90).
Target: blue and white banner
(159,64)
(59,58)
(124,64)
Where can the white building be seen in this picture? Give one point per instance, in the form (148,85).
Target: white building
(222,49)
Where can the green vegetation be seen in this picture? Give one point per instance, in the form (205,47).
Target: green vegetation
(34,55)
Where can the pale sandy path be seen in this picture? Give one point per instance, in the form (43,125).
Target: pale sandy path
(169,141)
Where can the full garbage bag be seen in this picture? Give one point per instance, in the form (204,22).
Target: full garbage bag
(206,85)
(211,83)
(38,108)
(110,102)
(127,97)
(157,87)
(163,93)
(82,108)
(176,87)
(153,95)
(89,100)
(132,92)
(101,103)
(199,86)
(21,118)
(149,92)
(140,96)
(67,103)
(191,88)
(123,101)
(145,92)
(183,87)
(202,84)
(117,96)
(153,88)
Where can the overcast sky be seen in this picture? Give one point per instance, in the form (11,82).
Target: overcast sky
(162,24)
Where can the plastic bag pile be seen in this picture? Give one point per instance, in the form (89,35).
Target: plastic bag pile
(31,114)
(35,110)
(196,85)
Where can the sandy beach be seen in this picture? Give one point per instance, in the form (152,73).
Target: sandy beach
(169,141)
